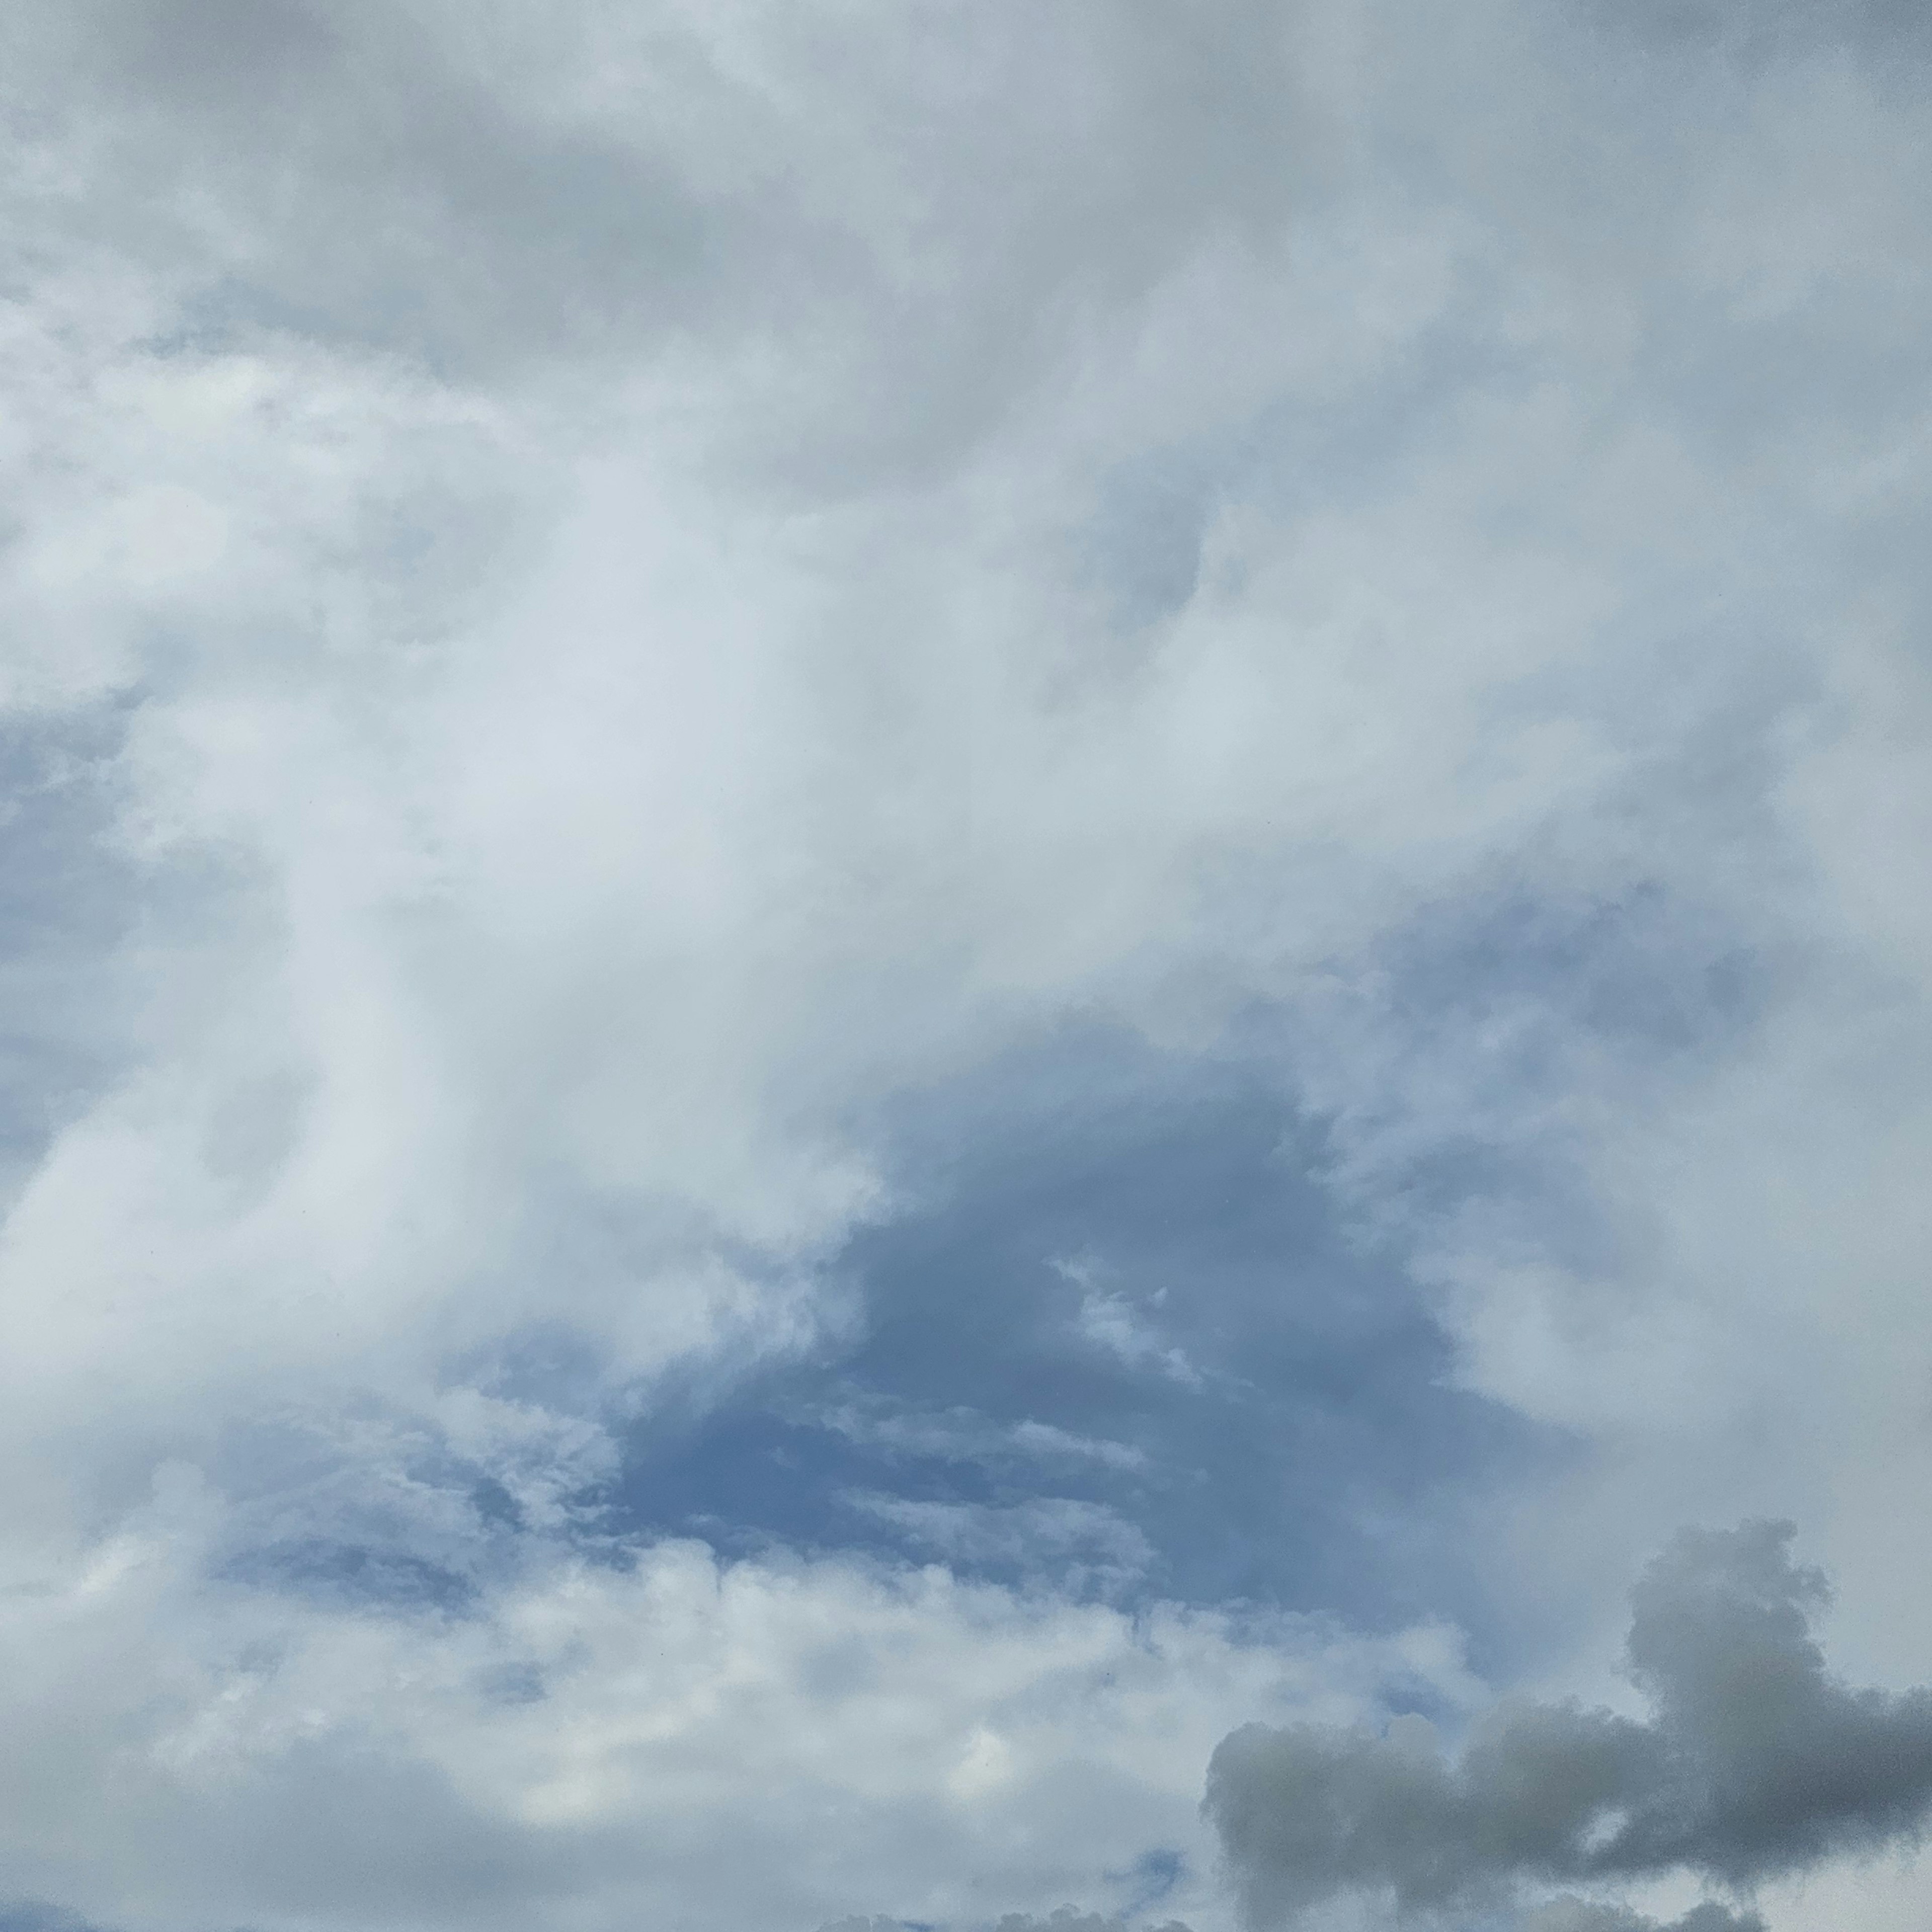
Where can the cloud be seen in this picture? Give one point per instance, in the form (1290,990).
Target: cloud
(1111,1322)
(577,1739)
(32,1917)
(1057,1535)
(1578,1915)
(607,604)
(963,1434)
(1756,1763)
(1067,1919)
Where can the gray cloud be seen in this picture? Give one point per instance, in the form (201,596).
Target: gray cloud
(1067,1919)
(1581,1915)
(1756,1762)
(591,189)
(30,1917)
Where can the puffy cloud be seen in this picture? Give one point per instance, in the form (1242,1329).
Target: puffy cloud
(775,1741)
(1756,1762)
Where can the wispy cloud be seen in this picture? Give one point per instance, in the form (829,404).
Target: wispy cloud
(1051,1535)
(965,1434)
(1109,1320)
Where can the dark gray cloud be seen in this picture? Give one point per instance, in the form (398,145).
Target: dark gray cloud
(1581,1915)
(1067,1919)
(31,1917)
(1764,30)
(1756,1762)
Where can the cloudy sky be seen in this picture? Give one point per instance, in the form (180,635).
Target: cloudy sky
(965,959)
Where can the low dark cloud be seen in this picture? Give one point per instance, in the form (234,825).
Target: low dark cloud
(1579,1915)
(1756,1762)
(1067,1919)
(32,1917)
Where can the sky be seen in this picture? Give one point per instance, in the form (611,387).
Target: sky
(964,967)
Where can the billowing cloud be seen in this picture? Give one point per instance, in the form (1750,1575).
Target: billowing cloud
(1756,1762)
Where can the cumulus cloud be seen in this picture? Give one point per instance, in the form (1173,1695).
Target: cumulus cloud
(607,1738)
(1756,1762)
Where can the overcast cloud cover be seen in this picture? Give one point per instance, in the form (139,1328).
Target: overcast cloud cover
(899,901)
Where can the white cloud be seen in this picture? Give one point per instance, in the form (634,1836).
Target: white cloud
(1109,1322)
(1059,1539)
(964,1435)
(760,1743)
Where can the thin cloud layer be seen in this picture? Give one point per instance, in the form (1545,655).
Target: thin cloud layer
(1756,1762)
